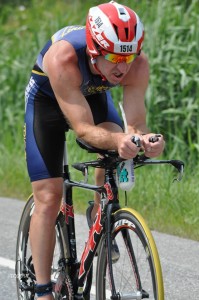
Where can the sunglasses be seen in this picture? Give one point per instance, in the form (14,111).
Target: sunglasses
(118,58)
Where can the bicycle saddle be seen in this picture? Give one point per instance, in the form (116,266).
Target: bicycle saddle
(92,149)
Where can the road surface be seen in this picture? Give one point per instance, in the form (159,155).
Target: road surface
(179,257)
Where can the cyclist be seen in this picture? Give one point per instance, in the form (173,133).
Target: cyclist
(70,87)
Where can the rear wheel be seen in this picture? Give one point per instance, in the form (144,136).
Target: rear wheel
(25,275)
(137,273)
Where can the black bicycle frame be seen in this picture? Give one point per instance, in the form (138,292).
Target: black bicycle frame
(103,221)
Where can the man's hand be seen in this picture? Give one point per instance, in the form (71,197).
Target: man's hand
(126,148)
(152,148)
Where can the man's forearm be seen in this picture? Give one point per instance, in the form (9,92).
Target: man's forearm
(99,137)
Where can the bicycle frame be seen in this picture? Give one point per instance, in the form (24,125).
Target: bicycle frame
(109,192)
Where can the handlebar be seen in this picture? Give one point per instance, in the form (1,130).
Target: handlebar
(111,159)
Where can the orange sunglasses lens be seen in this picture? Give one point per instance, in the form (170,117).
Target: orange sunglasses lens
(117,58)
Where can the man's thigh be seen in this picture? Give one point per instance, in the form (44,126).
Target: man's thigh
(45,128)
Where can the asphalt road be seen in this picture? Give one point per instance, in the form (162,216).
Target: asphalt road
(179,257)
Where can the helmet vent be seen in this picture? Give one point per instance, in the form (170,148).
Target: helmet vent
(135,28)
(122,11)
(125,29)
(127,32)
(116,30)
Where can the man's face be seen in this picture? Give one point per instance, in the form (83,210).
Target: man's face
(114,72)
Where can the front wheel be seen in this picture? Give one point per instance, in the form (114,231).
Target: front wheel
(137,273)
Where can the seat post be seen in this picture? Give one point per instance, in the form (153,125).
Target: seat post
(66,174)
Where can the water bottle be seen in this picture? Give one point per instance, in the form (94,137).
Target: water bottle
(125,175)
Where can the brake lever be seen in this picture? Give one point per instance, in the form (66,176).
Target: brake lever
(179,165)
(180,175)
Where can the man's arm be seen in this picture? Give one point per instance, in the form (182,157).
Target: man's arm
(135,85)
(61,65)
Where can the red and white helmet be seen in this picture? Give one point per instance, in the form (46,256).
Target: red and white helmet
(115,28)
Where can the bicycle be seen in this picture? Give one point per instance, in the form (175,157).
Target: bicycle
(136,274)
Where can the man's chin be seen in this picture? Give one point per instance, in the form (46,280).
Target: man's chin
(114,79)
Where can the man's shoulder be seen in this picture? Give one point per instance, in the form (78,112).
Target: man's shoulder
(75,35)
(142,60)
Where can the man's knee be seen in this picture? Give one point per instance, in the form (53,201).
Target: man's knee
(47,195)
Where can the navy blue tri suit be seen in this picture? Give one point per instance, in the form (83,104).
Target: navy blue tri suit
(45,123)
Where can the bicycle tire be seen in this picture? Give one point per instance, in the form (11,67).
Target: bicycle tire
(137,274)
(24,266)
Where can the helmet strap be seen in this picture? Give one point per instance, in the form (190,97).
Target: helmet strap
(94,63)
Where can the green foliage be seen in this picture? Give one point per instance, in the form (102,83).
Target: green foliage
(171,43)
(172,97)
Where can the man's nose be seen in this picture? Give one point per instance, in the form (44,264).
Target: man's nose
(122,66)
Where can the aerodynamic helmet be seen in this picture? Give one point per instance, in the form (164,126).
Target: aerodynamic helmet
(114,28)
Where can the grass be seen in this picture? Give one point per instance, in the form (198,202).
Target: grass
(171,43)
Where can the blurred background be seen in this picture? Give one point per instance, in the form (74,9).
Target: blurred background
(172,101)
